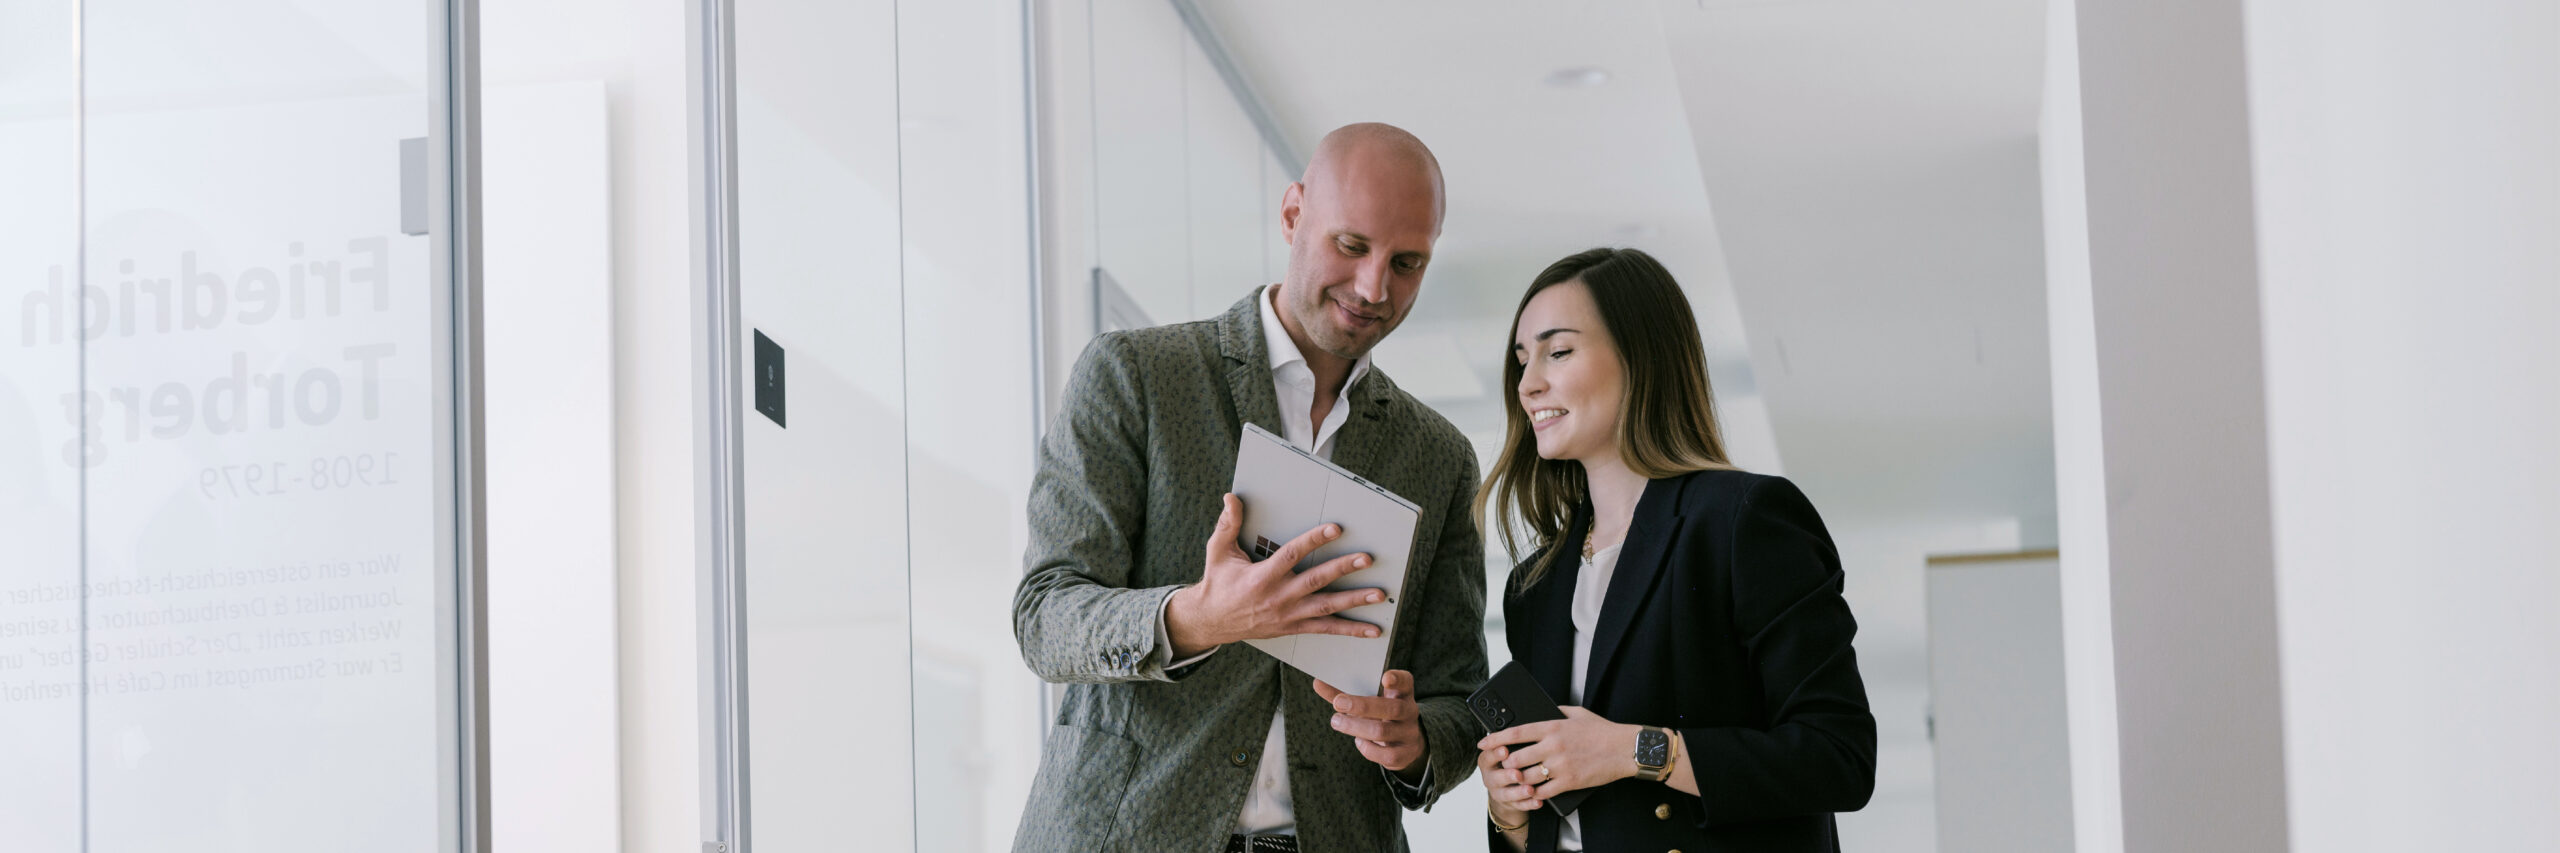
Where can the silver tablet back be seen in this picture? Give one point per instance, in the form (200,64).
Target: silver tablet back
(1286,492)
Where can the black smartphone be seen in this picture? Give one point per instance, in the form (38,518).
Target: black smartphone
(1511,697)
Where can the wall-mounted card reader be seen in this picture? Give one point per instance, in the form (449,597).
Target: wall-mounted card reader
(769,378)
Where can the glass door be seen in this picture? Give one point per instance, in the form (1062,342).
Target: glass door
(234,427)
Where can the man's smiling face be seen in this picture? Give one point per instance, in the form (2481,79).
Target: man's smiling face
(1360,231)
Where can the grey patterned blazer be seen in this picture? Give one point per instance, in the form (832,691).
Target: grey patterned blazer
(1143,759)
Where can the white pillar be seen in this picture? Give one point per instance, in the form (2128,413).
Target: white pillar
(2407,171)
(2173,269)
(2079,463)
(2324,266)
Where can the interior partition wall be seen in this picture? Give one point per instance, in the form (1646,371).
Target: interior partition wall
(867,286)
(238,447)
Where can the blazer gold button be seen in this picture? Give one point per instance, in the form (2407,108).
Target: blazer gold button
(1662,812)
(1238,758)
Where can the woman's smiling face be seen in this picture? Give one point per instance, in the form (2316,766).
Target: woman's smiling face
(1571,378)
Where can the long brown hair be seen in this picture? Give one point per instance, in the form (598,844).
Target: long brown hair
(1666,420)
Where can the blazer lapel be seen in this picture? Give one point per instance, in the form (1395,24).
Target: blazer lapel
(1648,542)
(1248,367)
(1364,432)
(1548,606)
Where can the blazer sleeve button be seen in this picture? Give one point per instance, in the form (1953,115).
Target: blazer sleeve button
(1239,758)
(1662,812)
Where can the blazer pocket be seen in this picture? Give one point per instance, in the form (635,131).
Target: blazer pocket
(1083,775)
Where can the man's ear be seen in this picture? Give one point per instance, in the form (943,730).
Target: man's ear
(1291,200)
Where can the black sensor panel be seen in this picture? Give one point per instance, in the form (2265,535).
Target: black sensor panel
(769,378)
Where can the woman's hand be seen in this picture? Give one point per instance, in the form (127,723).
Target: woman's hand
(1583,750)
(1510,799)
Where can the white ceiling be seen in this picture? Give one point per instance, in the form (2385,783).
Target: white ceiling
(1873,168)
(1534,172)
(1847,188)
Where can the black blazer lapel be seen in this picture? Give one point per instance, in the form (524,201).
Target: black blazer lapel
(1546,612)
(1649,539)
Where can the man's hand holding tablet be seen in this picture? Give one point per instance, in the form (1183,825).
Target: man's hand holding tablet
(1239,598)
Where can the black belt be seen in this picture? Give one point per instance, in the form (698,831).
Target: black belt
(1262,844)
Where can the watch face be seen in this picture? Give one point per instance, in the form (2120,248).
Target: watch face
(1653,748)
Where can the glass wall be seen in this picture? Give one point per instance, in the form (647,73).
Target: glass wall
(883,265)
(826,549)
(40,602)
(965,222)
(228,613)
(1186,194)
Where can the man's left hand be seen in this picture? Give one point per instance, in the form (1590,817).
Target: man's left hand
(1387,727)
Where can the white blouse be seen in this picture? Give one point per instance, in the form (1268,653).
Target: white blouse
(1590,590)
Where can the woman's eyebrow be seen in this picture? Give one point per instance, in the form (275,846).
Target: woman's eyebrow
(1554,332)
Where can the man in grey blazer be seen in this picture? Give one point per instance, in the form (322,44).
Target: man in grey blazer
(1173,736)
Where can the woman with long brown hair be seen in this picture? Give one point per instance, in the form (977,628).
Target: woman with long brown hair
(1687,614)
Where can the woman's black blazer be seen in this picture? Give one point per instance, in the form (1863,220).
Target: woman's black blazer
(1725,622)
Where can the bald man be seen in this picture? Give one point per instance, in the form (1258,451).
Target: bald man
(1175,736)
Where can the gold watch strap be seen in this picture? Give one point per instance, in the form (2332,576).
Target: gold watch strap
(1674,763)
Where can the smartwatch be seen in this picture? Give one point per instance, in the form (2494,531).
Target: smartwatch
(1655,752)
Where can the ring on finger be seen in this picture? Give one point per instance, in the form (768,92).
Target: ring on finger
(1544,774)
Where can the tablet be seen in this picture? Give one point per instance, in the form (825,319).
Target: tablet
(1288,491)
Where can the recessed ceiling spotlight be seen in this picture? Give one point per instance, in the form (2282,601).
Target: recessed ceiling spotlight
(1583,77)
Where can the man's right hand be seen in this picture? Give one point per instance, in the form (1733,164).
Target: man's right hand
(1239,599)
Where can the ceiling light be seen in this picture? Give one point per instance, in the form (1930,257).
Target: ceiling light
(1583,77)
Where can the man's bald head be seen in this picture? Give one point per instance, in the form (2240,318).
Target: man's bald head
(1377,154)
(1360,226)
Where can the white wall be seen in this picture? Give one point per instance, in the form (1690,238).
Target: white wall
(2407,169)
(547,328)
(1175,190)
(2320,243)
(884,240)
(1068,237)
(636,49)
(965,212)
(2079,462)
(826,553)
(1141,154)
(2182,409)
(1996,697)
(1229,191)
